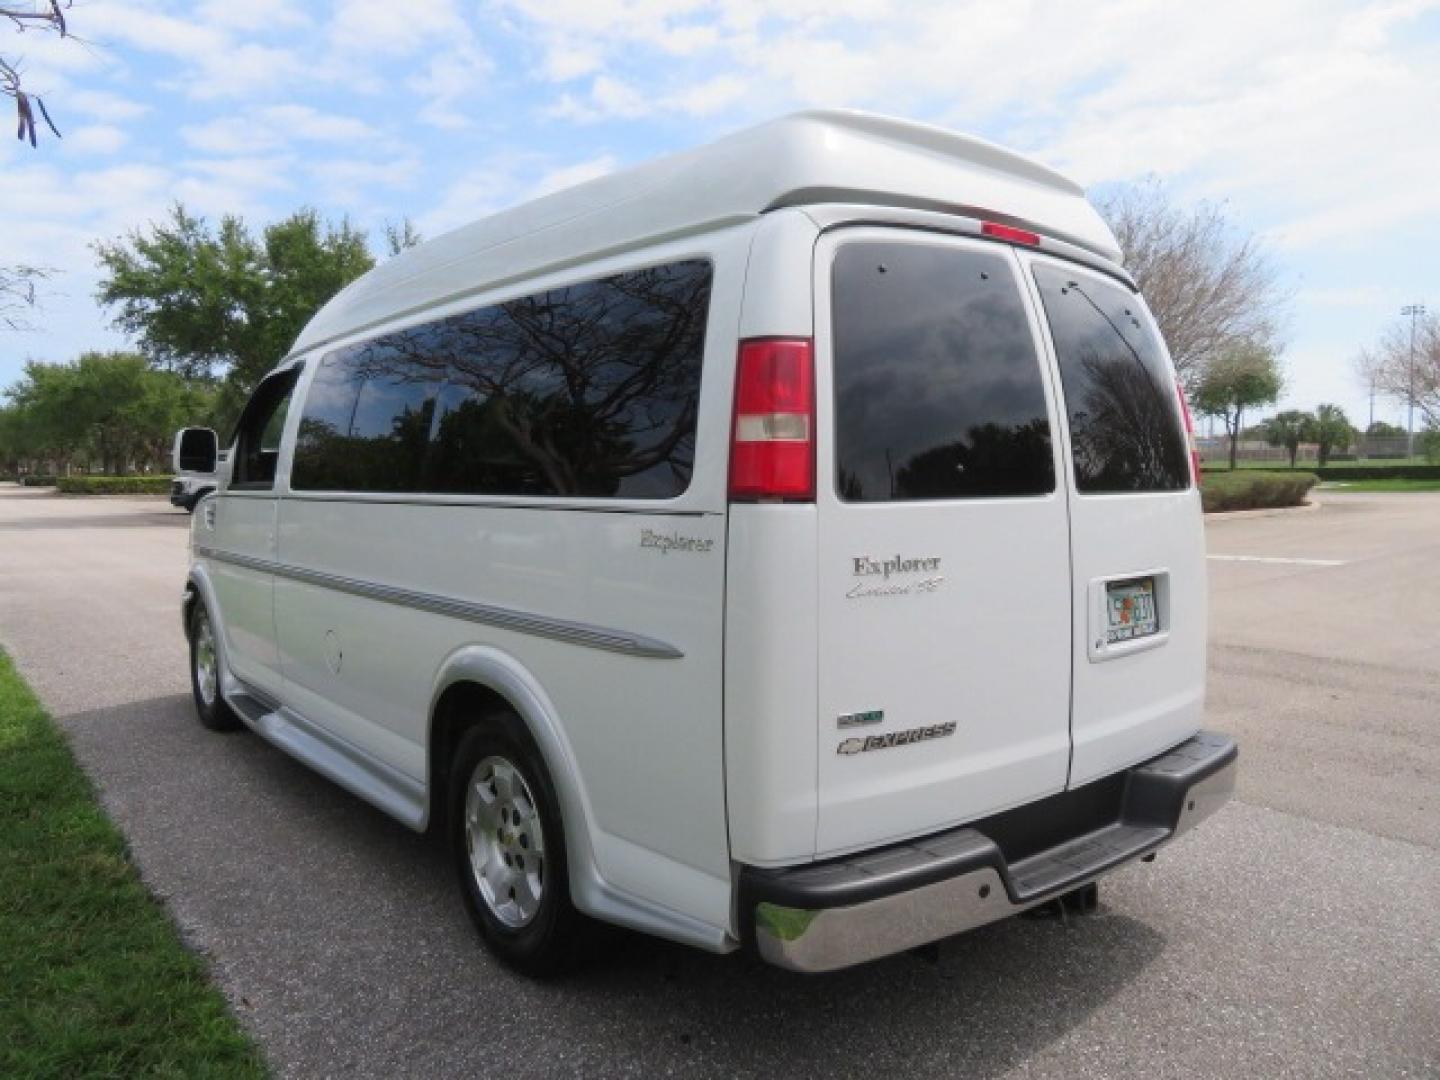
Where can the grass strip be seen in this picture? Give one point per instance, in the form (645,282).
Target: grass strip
(94,981)
(1383,485)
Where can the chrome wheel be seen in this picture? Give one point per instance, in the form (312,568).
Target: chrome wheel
(505,841)
(207,678)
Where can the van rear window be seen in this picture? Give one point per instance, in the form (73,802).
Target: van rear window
(1125,426)
(938,391)
(588,390)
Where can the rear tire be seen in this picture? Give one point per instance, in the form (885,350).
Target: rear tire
(210,706)
(507,840)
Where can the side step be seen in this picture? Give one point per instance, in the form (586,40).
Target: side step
(357,772)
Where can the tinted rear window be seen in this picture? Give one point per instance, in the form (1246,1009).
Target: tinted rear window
(586,390)
(938,392)
(1125,426)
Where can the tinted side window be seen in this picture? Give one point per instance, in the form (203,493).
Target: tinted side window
(938,391)
(588,390)
(1125,427)
(366,424)
(321,460)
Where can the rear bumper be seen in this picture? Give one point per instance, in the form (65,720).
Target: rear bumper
(846,911)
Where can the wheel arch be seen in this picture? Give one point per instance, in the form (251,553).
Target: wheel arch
(479,678)
(482,674)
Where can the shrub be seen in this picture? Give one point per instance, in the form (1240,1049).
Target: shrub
(113,485)
(38,480)
(1251,489)
(1430,446)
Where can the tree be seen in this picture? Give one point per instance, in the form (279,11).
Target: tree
(47,15)
(401,236)
(1380,429)
(1245,376)
(1211,286)
(1387,365)
(110,407)
(1330,429)
(203,302)
(17,294)
(1287,429)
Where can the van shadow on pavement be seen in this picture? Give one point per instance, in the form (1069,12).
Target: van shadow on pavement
(339,939)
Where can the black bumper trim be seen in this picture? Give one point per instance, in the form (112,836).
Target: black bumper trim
(1150,812)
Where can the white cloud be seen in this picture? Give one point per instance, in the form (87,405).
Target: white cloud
(570,175)
(392,28)
(276,125)
(96,139)
(253,15)
(103,105)
(449,83)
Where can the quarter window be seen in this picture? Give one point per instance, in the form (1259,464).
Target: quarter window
(938,390)
(1125,427)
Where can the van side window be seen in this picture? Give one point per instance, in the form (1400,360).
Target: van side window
(588,390)
(258,431)
(1125,426)
(938,390)
(366,424)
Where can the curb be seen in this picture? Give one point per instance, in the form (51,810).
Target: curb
(1275,511)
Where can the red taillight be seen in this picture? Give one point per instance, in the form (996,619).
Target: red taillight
(772,442)
(1190,436)
(1010,233)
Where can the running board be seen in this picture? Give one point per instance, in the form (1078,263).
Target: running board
(354,770)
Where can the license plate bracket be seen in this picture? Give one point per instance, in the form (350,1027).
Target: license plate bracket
(1131,610)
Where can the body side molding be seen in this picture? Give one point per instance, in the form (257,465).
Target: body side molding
(576,633)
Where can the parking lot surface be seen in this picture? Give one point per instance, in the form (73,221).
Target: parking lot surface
(1295,934)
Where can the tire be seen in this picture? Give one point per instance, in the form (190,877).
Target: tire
(507,841)
(210,707)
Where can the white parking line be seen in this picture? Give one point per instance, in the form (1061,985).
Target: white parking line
(1277,559)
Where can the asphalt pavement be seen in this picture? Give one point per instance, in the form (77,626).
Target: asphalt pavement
(1297,933)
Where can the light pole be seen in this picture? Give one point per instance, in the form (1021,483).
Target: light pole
(1414,311)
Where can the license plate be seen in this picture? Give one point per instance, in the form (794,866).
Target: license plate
(1130,610)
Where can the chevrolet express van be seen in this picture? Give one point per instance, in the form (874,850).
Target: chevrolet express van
(791,543)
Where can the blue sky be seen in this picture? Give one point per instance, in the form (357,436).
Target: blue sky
(1318,122)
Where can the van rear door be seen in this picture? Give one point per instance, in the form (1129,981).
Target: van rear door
(1137,535)
(943,546)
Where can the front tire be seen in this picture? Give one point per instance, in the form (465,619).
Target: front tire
(210,707)
(508,844)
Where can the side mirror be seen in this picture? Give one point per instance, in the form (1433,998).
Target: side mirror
(196,450)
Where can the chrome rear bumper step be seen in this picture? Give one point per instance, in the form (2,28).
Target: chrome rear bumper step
(845,911)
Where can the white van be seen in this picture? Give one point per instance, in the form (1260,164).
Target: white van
(793,542)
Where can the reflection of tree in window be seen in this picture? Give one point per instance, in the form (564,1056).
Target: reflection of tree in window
(1124,421)
(991,460)
(938,389)
(587,390)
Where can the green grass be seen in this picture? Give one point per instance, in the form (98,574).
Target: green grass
(94,981)
(1383,485)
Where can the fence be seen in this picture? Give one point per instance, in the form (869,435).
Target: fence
(1365,448)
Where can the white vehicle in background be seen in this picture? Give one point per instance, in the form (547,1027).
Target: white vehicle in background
(792,543)
(192,455)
